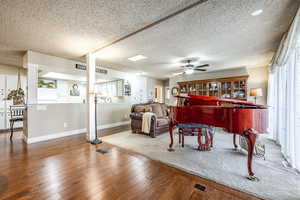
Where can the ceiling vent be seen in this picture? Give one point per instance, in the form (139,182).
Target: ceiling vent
(98,69)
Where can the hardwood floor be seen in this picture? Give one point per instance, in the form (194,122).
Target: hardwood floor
(70,168)
(110,131)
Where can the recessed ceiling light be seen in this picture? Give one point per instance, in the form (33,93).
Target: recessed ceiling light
(257,12)
(137,57)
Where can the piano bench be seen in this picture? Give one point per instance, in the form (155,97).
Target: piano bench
(204,134)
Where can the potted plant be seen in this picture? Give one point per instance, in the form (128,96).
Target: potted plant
(17,96)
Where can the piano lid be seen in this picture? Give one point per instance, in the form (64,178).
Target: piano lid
(209,100)
(218,99)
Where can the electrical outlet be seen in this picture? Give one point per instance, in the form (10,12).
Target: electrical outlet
(65,124)
(126,116)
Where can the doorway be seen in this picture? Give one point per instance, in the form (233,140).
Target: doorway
(158,94)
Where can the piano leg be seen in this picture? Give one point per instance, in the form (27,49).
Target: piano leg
(199,139)
(234,142)
(208,139)
(171,127)
(251,136)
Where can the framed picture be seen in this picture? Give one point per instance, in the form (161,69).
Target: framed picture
(74,90)
(175,91)
(47,83)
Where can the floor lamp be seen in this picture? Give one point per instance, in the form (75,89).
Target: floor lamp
(96,140)
(256,92)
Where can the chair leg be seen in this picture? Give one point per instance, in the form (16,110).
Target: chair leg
(211,138)
(179,134)
(234,142)
(199,139)
(179,138)
(11,129)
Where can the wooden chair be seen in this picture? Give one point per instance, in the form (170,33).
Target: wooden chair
(16,115)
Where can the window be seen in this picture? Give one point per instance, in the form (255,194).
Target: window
(284,97)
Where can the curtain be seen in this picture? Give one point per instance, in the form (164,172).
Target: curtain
(297,110)
(284,95)
(289,42)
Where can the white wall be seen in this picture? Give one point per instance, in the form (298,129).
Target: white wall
(49,120)
(139,84)
(61,94)
(258,78)
(58,119)
(166,88)
(151,85)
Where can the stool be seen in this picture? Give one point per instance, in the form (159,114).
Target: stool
(203,132)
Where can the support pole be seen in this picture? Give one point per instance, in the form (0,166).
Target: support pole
(96,140)
(90,96)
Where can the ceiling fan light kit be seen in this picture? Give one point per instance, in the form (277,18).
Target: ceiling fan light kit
(190,68)
(189,71)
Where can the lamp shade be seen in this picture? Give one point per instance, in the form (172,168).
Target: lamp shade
(256,92)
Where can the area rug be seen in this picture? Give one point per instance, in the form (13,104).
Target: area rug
(222,164)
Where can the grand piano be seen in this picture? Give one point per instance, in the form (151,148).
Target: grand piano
(234,116)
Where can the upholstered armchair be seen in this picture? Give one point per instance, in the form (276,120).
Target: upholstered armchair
(159,121)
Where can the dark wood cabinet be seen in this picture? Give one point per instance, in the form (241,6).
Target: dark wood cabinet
(230,88)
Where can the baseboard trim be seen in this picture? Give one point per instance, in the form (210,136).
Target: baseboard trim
(105,126)
(54,136)
(71,132)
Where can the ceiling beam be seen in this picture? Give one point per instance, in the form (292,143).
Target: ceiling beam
(151,25)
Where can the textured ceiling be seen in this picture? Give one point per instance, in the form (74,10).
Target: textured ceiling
(220,32)
(71,28)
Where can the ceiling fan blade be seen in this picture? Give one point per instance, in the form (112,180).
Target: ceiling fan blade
(202,70)
(200,66)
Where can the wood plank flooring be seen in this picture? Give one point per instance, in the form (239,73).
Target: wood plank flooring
(70,168)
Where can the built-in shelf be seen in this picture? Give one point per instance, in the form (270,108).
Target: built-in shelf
(231,87)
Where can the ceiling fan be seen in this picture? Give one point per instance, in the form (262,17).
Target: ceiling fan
(190,68)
